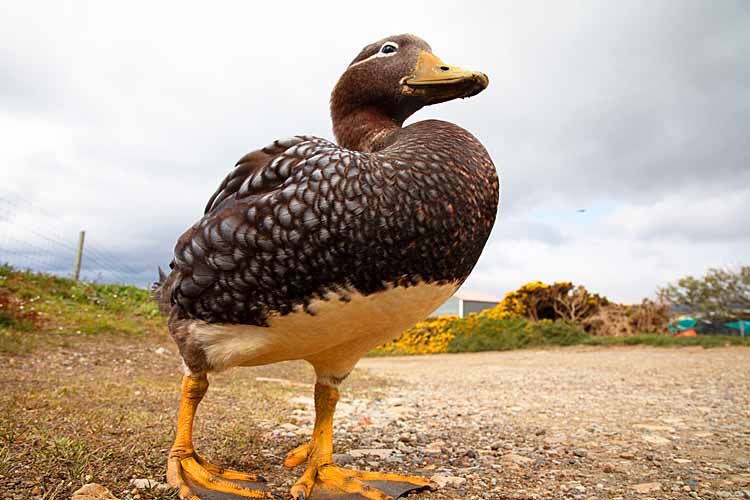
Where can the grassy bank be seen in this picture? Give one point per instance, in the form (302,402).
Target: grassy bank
(89,387)
(36,308)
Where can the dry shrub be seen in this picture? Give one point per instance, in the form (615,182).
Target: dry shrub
(650,317)
(578,304)
(621,320)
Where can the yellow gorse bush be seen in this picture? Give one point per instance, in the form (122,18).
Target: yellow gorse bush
(523,303)
(430,336)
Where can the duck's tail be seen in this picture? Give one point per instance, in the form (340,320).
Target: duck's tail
(162,291)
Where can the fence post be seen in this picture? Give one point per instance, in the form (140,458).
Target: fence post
(79,256)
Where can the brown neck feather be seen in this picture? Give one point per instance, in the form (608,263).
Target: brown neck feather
(362,129)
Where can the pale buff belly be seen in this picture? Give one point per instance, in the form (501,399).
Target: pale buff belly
(333,339)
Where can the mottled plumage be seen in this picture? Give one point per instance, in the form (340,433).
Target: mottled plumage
(303,217)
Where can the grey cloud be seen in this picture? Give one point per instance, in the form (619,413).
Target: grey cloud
(640,103)
(690,218)
(515,228)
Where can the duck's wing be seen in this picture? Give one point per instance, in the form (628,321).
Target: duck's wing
(263,170)
(266,226)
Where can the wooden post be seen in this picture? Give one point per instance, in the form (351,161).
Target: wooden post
(79,256)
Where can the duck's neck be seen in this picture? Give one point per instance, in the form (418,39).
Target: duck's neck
(362,129)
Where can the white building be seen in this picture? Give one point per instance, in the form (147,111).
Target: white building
(464,302)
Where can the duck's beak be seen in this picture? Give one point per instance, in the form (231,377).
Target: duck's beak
(438,82)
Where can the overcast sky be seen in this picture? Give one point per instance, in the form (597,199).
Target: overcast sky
(123,117)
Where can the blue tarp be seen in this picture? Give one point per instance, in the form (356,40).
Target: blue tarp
(740,325)
(708,327)
(682,324)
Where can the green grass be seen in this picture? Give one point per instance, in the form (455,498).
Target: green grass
(72,454)
(668,340)
(33,304)
(489,334)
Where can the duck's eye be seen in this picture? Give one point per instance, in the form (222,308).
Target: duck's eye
(388,48)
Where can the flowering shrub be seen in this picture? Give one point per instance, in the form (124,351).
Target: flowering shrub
(430,336)
(535,301)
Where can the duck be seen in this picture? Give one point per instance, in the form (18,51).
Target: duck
(320,251)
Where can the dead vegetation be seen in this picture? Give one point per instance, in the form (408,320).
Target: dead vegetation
(621,320)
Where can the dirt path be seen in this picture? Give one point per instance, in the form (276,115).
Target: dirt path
(575,423)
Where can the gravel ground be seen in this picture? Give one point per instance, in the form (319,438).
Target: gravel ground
(577,423)
(574,423)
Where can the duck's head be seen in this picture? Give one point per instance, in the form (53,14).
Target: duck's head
(393,78)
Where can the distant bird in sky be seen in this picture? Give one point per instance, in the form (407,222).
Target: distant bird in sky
(581,210)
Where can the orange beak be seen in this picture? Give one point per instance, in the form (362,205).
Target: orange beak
(439,82)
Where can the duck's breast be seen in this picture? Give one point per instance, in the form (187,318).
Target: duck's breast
(361,322)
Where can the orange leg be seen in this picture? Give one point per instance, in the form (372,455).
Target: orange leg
(323,480)
(195,477)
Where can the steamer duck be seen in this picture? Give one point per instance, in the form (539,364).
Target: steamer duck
(316,251)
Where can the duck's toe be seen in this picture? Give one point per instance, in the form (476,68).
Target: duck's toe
(297,456)
(329,482)
(197,479)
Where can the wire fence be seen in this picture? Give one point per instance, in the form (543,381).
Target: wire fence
(32,238)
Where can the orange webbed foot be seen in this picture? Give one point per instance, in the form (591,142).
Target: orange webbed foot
(330,482)
(197,479)
(322,480)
